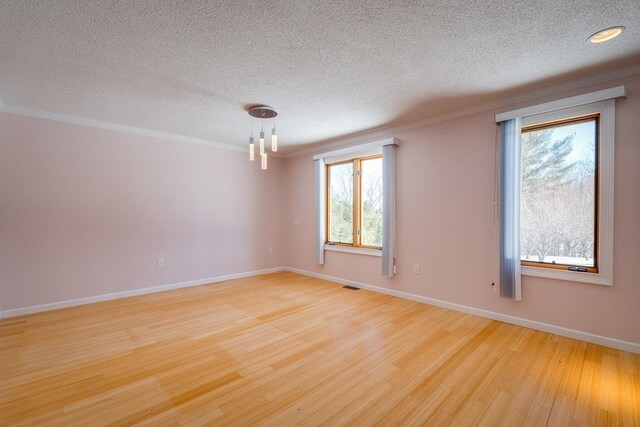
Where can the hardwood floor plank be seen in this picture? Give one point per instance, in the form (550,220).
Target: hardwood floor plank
(283,349)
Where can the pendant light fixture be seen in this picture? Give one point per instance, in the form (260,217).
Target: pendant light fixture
(263,112)
(274,138)
(261,140)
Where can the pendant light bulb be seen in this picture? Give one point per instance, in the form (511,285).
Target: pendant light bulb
(252,149)
(274,140)
(261,142)
(264,161)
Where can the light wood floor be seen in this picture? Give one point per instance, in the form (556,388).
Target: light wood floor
(284,349)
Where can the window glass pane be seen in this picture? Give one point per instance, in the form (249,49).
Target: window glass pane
(559,194)
(372,202)
(341,202)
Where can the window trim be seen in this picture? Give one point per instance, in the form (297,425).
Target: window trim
(353,250)
(357,203)
(604,190)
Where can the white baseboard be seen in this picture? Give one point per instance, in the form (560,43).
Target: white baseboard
(531,324)
(106,297)
(380,290)
(559,330)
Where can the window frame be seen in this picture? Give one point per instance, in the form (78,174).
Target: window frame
(603,249)
(357,203)
(596,117)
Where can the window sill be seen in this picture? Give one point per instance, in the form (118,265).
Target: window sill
(360,251)
(573,276)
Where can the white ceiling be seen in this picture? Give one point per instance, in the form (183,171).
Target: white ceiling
(330,68)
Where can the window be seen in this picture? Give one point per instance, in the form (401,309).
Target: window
(566,194)
(559,199)
(555,187)
(354,202)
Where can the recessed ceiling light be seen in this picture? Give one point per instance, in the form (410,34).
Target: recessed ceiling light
(606,34)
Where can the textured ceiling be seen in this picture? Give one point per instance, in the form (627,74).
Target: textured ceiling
(330,68)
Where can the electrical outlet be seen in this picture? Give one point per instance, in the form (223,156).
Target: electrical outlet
(416,268)
(270,251)
(296,221)
(160,262)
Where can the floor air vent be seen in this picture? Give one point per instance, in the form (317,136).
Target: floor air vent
(352,288)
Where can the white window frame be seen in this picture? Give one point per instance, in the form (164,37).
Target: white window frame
(606,155)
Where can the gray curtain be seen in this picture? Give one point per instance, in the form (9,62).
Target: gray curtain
(388,209)
(320,182)
(510,184)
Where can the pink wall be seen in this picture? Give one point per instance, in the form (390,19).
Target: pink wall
(445,191)
(86,211)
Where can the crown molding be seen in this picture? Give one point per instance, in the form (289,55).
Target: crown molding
(30,112)
(358,138)
(520,96)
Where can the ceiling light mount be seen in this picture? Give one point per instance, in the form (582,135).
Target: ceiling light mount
(262,112)
(606,34)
